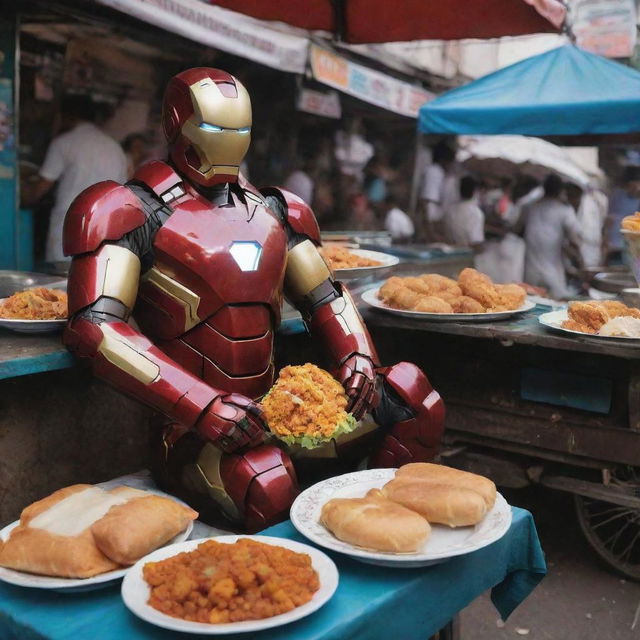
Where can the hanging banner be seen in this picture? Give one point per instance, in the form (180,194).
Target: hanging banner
(605,27)
(367,84)
(320,103)
(220,29)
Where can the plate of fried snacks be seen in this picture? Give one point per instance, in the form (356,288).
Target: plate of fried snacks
(38,310)
(229,584)
(414,516)
(356,263)
(305,408)
(82,537)
(473,297)
(597,319)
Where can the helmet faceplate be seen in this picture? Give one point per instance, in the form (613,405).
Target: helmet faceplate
(207,120)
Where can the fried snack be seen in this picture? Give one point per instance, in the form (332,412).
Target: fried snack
(437,503)
(82,530)
(591,316)
(35,304)
(513,295)
(418,285)
(439,283)
(306,406)
(431,304)
(219,583)
(340,258)
(478,286)
(373,522)
(441,474)
(631,223)
(390,289)
(465,304)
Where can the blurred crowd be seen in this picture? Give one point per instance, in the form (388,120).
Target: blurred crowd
(544,233)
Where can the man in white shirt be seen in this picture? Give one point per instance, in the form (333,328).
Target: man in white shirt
(76,159)
(397,222)
(549,224)
(439,190)
(591,208)
(464,221)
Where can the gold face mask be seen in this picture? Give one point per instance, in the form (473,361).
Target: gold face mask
(220,128)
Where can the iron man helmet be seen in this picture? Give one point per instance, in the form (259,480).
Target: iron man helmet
(206,115)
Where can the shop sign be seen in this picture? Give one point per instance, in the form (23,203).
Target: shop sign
(220,29)
(320,103)
(605,27)
(367,84)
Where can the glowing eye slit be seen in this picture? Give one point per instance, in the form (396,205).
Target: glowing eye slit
(212,128)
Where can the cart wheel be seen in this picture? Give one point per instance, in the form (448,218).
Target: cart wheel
(613,531)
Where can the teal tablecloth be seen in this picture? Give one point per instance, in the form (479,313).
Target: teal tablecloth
(371,603)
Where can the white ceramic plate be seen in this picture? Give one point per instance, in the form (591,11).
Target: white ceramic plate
(554,319)
(371,298)
(385,260)
(443,543)
(135,590)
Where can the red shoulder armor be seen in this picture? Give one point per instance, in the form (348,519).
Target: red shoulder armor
(105,211)
(300,216)
(161,178)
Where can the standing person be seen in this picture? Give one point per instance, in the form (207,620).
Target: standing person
(464,221)
(77,158)
(590,207)
(439,191)
(300,182)
(549,223)
(397,222)
(135,151)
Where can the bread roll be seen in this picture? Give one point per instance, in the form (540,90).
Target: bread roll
(438,503)
(374,522)
(440,474)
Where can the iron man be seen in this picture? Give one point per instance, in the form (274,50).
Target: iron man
(175,292)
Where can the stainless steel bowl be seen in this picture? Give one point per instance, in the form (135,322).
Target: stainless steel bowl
(631,297)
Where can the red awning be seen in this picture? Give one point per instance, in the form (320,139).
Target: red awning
(368,21)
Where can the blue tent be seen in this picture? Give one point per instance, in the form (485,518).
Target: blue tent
(565,91)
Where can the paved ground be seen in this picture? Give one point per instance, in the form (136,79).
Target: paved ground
(580,599)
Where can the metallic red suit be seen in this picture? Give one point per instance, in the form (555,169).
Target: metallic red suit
(175,292)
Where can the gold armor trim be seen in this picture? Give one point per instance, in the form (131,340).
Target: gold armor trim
(219,151)
(306,269)
(122,354)
(203,476)
(178,292)
(121,274)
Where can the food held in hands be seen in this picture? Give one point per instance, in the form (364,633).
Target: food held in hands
(374,522)
(82,531)
(306,407)
(220,583)
(35,304)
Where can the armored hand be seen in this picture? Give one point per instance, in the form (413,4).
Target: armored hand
(232,422)
(358,377)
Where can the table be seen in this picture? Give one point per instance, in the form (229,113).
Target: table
(369,599)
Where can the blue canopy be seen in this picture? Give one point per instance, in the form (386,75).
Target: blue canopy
(565,91)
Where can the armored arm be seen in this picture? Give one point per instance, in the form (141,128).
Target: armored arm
(107,231)
(326,305)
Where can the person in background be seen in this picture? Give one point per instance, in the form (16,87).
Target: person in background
(590,206)
(300,181)
(396,221)
(135,151)
(624,201)
(464,221)
(439,191)
(77,158)
(549,223)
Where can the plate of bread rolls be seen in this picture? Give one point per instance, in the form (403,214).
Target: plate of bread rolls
(414,516)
